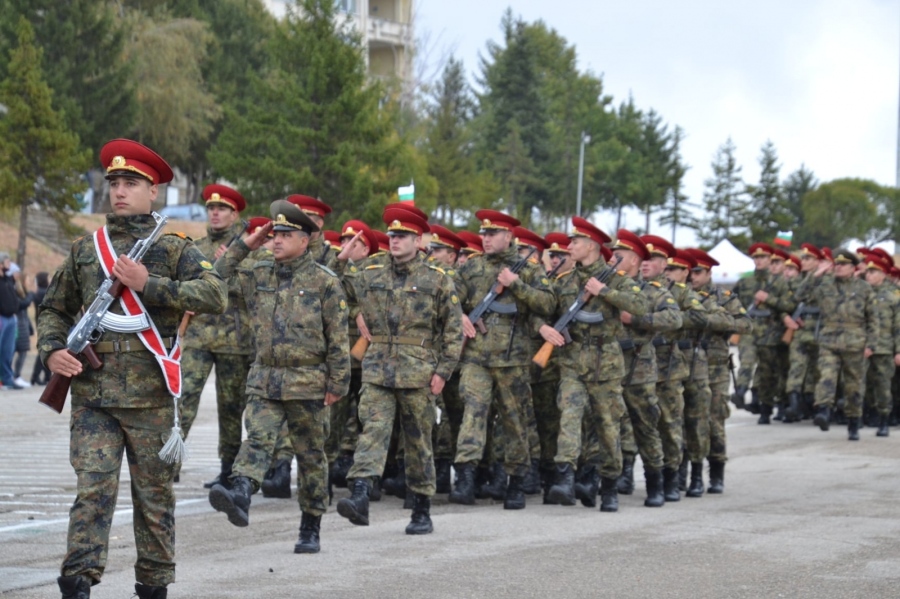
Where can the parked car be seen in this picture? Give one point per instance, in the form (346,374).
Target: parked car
(194,212)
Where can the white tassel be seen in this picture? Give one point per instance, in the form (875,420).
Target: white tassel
(174,451)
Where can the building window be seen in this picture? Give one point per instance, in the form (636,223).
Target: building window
(347,6)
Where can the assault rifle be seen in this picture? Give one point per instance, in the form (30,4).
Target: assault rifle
(96,320)
(562,324)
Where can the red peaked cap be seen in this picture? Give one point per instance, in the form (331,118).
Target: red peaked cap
(607,253)
(883,254)
(777,253)
(352,227)
(826,253)
(626,240)
(702,258)
(557,242)
(384,242)
(310,205)
(877,262)
(811,250)
(256,222)
(409,208)
(582,228)
(530,238)
(761,249)
(493,220)
(472,241)
(657,246)
(332,238)
(401,221)
(124,157)
(682,259)
(444,237)
(222,194)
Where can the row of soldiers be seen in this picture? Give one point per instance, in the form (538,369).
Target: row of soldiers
(826,336)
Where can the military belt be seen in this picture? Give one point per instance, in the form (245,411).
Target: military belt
(291,362)
(420,341)
(127,345)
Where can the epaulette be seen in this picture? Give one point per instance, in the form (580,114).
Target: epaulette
(437,268)
(371,266)
(656,283)
(680,285)
(179,234)
(621,273)
(562,274)
(726,292)
(704,293)
(326,269)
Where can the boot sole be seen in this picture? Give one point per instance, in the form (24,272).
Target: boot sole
(306,549)
(609,509)
(276,494)
(561,497)
(673,498)
(414,531)
(513,506)
(821,422)
(346,509)
(222,502)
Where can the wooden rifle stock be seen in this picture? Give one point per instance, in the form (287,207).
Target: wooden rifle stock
(54,395)
(543,355)
(359,348)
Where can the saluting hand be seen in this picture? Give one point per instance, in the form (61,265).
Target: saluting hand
(344,254)
(133,274)
(255,240)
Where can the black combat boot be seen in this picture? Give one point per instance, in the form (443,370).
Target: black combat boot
(531,484)
(716,477)
(563,492)
(375,491)
(279,485)
(483,481)
(222,478)
(309,534)
(765,414)
(655,497)
(420,524)
(356,507)
(696,488)
(496,490)
(738,398)
(883,430)
(147,592)
(74,587)
(548,479)
(339,472)
(235,502)
(515,497)
(683,474)
(822,418)
(794,411)
(464,492)
(625,482)
(809,401)
(779,412)
(588,486)
(442,475)
(853,428)
(396,485)
(670,485)
(609,495)
(754,406)
(409,502)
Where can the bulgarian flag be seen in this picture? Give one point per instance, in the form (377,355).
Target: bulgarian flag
(407,193)
(784,238)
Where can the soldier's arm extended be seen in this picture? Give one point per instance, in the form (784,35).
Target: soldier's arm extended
(624,293)
(59,309)
(337,340)
(450,337)
(665,316)
(229,262)
(532,288)
(196,287)
(694,314)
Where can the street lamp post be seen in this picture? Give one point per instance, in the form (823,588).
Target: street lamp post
(585,139)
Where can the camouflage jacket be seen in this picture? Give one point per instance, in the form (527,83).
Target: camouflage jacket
(887,310)
(507,342)
(768,326)
(227,333)
(717,349)
(322,252)
(637,338)
(299,317)
(595,353)
(181,279)
(700,319)
(807,332)
(848,317)
(413,314)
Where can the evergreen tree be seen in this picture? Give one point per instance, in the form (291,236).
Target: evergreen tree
(795,186)
(840,210)
(40,160)
(767,200)
(724,201)
(677,210)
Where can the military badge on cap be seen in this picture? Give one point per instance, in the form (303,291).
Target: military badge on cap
(127,158)
(289,217)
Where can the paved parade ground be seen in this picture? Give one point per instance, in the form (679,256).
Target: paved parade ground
(804,514)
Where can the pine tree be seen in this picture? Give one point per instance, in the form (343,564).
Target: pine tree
(677,210)
(797,185)
(39,157)
(724,201)
(767,201)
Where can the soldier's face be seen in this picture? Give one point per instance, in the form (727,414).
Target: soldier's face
(790,271)
(462,259)
(875,277)
(404,247)
(700,277)
(221,217)
(628,261)
(496,241)
(289,245)
(762,262)
(844,270)
(808,263)
(776,267)
(131,195)
(653,267)
(444,255)
(676,274)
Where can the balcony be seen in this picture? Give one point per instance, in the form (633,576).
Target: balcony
(382,32)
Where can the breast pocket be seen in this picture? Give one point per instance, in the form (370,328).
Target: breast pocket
(305,311)
(419,306)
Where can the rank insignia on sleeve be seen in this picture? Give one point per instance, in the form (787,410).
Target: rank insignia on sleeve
(669,300)
(635,288)
(206,265)
(343,305)
(545,281)
(454,299)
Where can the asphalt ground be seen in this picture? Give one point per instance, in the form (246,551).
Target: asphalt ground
(804,514)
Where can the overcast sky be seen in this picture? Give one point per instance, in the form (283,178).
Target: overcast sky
(820,78)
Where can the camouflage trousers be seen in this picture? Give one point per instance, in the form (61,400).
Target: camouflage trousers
(98,438)
(378,408)
(509,391)
(803,357)
(546,413)
(341,413)
(770,373)
(639,429)
(307,424)
(231,381)
(697,399)
(601,403)
(447,431)
(846,366)
(879,373)
(670,398)
(748,358)
(719,379)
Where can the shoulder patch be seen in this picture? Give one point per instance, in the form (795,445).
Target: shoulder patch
(680,285)
(343,305)
(451,272)
(454,299)
(695,301)
(206,265)
(635,288)
(743,311)
(437,268)
(353,268)
(670,300)
(545,281)
(371,266)
(326,269)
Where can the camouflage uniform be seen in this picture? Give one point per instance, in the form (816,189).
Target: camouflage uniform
(768,329)
(745,289)
(880,371)
(299,315)
(592,367)
(495,366)
(804,349)
(413,314)
(125,406)
(225,341)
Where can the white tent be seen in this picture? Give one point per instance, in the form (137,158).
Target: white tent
(732,262)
